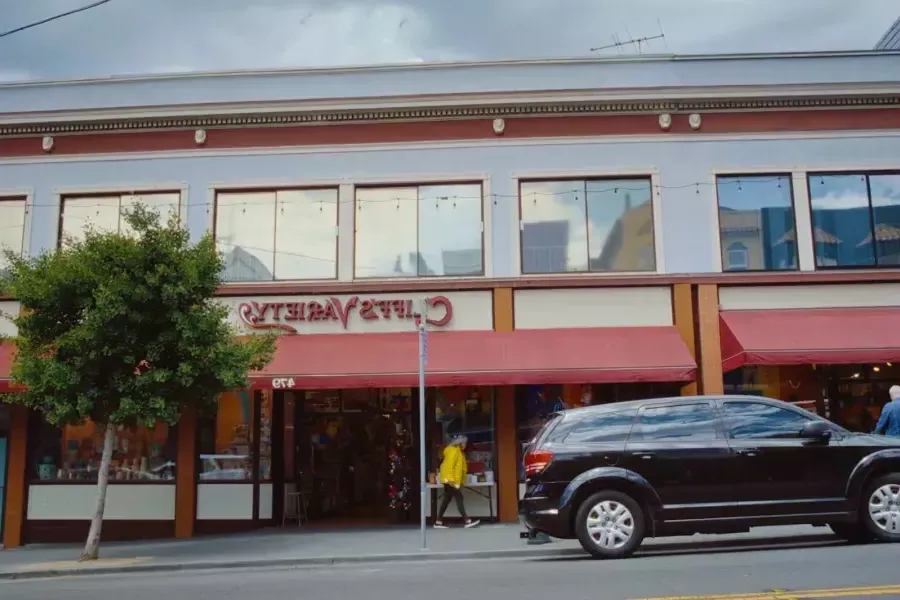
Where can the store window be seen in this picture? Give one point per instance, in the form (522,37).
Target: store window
(73,453)
(573,226)
(104,213)
(225,441)
(756,223)
(469,412)
(279,234)
(856,219)
(12,232)
(419,231)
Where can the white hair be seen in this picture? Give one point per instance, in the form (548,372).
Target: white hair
(461,440)
(894,392)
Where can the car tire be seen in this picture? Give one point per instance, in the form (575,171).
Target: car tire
(880,508)
(610,525)
(854,533)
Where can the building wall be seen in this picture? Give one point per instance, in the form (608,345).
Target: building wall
(685,169)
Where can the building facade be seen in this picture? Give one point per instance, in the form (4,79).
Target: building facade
(584,231)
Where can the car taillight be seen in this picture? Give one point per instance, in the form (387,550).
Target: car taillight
(536,461)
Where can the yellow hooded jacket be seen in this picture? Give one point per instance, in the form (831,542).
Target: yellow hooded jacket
(454,467)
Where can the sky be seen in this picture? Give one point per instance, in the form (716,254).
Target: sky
(152,36)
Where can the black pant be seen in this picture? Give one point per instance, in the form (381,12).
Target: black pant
(449,493)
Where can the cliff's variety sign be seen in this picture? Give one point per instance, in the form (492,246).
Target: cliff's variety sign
(283,315)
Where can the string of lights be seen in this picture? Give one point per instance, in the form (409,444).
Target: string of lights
(232,202)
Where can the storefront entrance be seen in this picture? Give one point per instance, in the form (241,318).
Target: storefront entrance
(4,432)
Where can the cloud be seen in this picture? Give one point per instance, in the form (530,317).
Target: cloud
(137,36)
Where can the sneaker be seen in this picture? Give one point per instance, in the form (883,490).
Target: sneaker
(470,524)
(440,526)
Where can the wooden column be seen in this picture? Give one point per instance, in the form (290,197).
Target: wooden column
(683,313)
(709,339)
(507,469)
(186,475)
(15,513)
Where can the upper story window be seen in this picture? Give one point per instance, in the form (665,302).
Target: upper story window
(579,226)
(856,219)
(104,213)
(419,231)
(282,234)
(12,228)
(756,223)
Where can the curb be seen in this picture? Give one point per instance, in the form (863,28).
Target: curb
(322,561)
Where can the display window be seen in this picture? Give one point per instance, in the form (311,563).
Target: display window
(465,411)
(73,453)
(225,440)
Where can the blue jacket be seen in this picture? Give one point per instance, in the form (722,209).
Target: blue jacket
(889,422)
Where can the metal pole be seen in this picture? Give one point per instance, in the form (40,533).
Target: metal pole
(423,476)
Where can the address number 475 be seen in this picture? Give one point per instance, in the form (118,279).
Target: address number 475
(280,383)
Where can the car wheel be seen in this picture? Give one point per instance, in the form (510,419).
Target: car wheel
(610,524)
(881,512)
(855,533)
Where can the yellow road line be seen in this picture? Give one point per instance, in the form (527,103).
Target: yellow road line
(881,590)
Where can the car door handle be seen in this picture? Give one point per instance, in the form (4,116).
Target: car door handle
(645,455)
(748,451)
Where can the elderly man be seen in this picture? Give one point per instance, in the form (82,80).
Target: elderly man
(889,422)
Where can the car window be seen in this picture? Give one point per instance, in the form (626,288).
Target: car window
(607,427)
(756,420)
(678,422)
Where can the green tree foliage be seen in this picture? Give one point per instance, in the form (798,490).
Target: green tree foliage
(124,329)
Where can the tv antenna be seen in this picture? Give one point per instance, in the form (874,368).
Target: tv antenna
(636,43)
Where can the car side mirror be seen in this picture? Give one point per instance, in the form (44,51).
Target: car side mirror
(815,430)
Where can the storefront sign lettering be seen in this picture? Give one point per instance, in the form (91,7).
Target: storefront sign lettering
(282,315)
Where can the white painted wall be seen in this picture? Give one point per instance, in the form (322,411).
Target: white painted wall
(868,295)
(145,502)
(225,501)
(593,307)
(472,311)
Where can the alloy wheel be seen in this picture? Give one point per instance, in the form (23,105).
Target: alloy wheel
(884,508)
(610,524)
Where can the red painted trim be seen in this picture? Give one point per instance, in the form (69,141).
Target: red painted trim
(454,130)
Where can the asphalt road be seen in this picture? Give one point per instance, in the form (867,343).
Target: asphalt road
(742,574)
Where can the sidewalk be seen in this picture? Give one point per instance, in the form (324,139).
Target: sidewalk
(309,546)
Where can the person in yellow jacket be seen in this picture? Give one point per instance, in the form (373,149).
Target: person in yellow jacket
(453,476)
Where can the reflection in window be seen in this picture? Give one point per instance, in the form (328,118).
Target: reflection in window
(579,226)
(106,213)
(73,453)
(419,231)
(599,429)
(683,422)
(755,420)
(856,219)
(225,441)
(12,228)
(756,223)
(285,234)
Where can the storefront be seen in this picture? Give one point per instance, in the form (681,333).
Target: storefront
(831,348)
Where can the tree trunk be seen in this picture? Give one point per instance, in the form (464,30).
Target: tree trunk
(92,547)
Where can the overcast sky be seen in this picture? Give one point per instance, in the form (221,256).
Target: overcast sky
(147,36)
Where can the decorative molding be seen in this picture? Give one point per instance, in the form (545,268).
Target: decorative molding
(452,112)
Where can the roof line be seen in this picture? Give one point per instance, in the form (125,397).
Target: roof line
(643,58)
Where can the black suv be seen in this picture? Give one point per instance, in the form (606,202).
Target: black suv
(611,475)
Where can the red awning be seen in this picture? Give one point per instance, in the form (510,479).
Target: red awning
(836,336)
(598,355)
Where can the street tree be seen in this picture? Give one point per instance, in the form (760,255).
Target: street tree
(124,329)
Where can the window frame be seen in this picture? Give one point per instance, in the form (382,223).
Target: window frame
(275,190)
(867,173)
(789,176)
(648,174)
(718,426)
(26,197)
(418,184)
(63,195)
